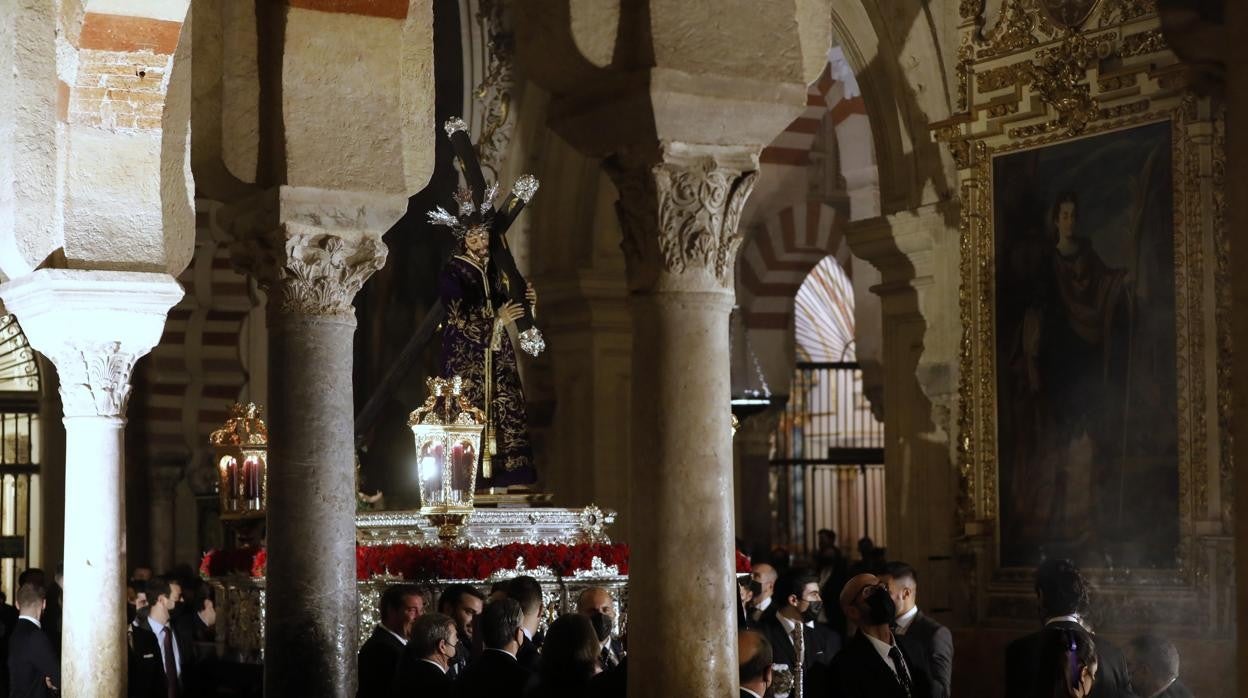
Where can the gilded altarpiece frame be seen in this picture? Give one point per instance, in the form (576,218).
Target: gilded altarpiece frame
(1028,82)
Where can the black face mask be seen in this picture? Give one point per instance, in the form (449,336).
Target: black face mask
(811,613)
(880,607)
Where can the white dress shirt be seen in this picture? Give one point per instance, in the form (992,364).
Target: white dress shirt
(1071,618)
(32,620)
(883,649)
(397,636)
(903,623)
(439,666)
(159,630)
(762,605)
(746,690)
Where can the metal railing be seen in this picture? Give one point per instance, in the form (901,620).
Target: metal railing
(827,461)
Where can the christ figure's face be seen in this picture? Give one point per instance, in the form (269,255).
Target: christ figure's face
(477,242)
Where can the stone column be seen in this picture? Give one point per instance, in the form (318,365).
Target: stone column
(163,482)
(679,217)
(93,325)
(1237,220)
(754,509)
(311,272)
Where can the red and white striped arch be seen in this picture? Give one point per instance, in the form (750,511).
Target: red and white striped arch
(780,254)
(791,234)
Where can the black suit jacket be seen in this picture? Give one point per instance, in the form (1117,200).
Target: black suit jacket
(930,646)
(31,659)
(417,677)
(858,671)
(821,646)
(1022,666)
(379,659)
(611,683)
(147,665)
(529,656)
(495,674)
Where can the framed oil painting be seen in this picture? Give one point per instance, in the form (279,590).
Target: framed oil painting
(1085,351)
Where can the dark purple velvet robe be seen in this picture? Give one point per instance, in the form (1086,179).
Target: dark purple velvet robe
(466,336)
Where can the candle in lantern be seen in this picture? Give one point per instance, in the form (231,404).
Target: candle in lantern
(228,477)
(457,466)
(251,468)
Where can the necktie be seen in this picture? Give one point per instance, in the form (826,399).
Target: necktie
(903,675)
(799,644)
(607,658)
(171,665)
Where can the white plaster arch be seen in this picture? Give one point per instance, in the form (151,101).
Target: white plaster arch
(905,86)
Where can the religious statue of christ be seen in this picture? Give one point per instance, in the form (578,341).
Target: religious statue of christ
(483,294)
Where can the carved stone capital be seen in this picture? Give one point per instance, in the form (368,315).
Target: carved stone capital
(679,219)
(95,378)
(94,326)
(311,249)
(309,272)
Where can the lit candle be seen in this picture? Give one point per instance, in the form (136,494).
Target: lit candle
(457,467)
(231,479)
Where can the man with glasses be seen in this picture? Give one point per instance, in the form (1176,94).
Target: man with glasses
(873,664)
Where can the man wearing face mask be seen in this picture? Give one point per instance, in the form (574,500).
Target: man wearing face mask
(873,664)
(790,625)
(426,658)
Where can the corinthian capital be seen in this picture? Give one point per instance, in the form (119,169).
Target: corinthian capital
(308,271)
(93,325)
(679,219)
(95,378)
(311,249)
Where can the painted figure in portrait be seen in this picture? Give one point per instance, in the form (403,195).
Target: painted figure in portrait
(1085,329)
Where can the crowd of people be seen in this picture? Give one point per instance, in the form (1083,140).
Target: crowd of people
(874,642)
(870,639)
(478,646)
(170,633)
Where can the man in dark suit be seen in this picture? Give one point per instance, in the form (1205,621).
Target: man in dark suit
(160,655)
(463,603)
(1064,600)
(1153,662)
(497,673)
(928,643)
(766,576)
(792,614)
(754,658)
(597,604)
(873,664)
(33,669)
(400,606)
(527,591)
(428,654)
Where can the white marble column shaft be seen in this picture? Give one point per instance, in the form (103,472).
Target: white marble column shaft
(93,326)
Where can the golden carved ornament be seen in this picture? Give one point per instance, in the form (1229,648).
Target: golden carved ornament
(243,427)
(1030,83)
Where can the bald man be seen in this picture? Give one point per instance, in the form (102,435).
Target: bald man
(765,575)
(873,664)
(754,658)
(598,600)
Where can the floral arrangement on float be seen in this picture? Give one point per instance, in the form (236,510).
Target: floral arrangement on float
(428,562)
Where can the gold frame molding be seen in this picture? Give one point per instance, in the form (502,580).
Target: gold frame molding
(1029,82)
